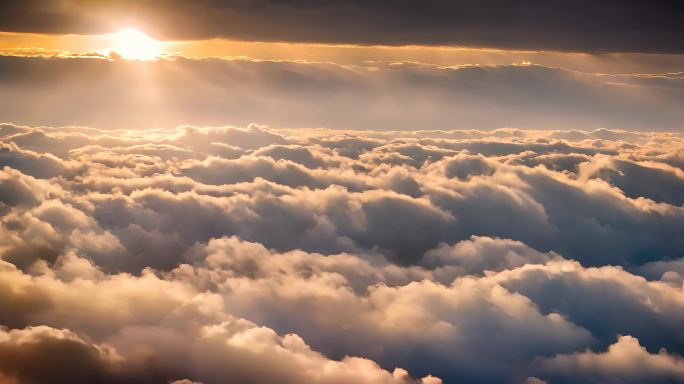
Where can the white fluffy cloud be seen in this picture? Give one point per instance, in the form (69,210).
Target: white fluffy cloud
(255,255)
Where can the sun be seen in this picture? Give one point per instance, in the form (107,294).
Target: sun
(132,44)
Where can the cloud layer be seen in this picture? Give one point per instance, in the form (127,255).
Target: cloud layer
(219,254)
(373,96)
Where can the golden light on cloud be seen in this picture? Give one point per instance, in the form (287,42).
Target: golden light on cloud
(132,44)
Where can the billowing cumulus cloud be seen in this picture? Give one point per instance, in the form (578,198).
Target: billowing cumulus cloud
(626,361)
(228,254)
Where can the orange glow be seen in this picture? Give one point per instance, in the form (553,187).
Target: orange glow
(132,44)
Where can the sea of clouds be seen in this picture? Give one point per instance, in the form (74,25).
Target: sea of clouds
(253,255)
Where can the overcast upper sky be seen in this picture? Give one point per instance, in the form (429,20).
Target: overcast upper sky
(577,25)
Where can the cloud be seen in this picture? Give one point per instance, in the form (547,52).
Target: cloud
(41,354)
(626,361)
(480,254)
(590,298)
(603,27)
(434,194)
(31,163)
(215,254)
(167,93)
(655,181)
(232,350)
(146,330)
(401,316)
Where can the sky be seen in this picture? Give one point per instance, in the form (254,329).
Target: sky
(341,192)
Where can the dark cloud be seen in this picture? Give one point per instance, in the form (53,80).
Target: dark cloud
(31,163)
(591,297)
(42,354)
(586,26)
(657,181)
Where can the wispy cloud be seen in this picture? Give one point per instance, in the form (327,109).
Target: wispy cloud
(167,93)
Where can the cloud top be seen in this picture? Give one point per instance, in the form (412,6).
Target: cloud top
(220,254)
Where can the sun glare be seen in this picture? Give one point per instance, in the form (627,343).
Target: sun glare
(132,44)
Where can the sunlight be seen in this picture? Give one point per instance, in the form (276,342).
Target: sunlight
(132,44)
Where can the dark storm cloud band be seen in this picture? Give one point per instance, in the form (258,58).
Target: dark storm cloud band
(583,25)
